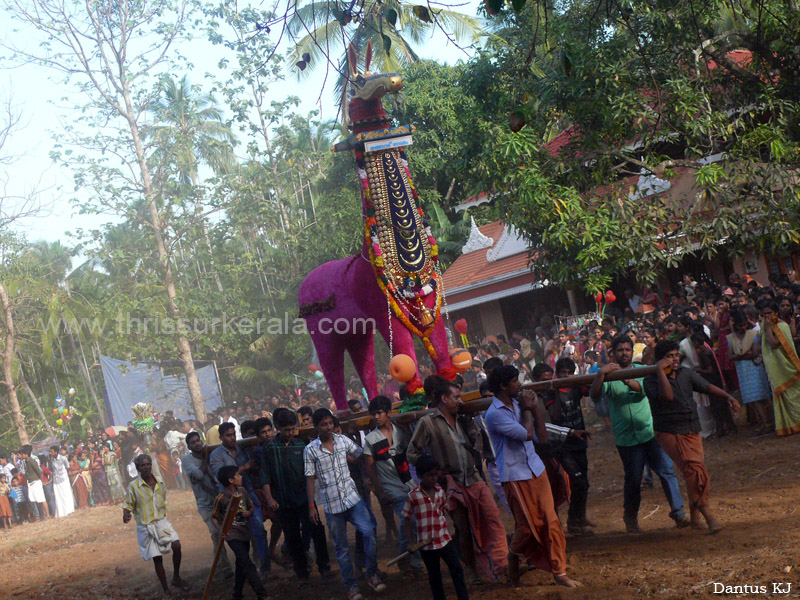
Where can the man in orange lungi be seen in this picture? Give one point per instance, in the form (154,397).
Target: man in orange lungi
(677,426)
(538,537)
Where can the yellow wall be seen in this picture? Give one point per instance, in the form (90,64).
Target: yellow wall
(492,318)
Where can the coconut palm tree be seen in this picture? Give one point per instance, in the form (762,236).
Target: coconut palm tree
(190,130)
(323,27)
(68,314)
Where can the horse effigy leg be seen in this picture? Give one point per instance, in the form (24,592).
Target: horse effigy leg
(362,351)
(330,350)
(438,339)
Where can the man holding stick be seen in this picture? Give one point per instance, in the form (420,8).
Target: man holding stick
(678,428)
(204,486)
(146,501)
(632,423)
(481,533)
(538,536)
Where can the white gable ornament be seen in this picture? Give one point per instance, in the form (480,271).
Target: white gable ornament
(510,243)
(648,185)
(476,241)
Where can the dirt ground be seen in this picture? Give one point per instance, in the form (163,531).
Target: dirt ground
(755,490)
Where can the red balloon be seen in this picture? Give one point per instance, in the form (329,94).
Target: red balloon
(610,297)
(598,297)
(461,326)
(312,367)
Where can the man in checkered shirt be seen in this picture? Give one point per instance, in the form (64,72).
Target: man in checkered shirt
(325,461)
(425,503)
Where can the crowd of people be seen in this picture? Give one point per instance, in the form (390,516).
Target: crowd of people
(741,336)
(714,349)
(54,484)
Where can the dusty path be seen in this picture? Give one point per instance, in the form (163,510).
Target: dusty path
(755,488)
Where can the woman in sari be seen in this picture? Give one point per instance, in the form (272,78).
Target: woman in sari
(112,475)
(783,368)
(100,492)
(745,346)
(81,479)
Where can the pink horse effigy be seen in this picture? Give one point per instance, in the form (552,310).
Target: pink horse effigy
(394,283)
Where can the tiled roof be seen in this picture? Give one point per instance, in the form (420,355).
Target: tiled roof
(568,140)
(473,268)
(472,201)
(558,144)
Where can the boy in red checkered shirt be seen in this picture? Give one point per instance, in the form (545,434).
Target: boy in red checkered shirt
(425,503)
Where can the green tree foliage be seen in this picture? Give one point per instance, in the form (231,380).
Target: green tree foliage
(654,90)
(392,27)
(247,198)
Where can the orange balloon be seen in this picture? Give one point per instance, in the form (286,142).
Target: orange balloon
(402,368)
(461,359)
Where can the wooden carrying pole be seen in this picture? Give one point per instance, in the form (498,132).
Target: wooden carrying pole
(473,403)
(227,523)
(408,552)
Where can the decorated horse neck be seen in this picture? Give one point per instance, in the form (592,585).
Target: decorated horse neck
(397,236)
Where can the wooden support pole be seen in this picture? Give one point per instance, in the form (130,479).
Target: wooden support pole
(227,523)
(473,403)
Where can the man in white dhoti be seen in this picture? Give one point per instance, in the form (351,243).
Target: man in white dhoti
(62,490)
(33,473)
(146,501)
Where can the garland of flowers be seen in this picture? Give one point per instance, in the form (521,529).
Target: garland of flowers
(412,280)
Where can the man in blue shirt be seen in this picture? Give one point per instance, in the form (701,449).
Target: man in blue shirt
(204,486)
(538,535)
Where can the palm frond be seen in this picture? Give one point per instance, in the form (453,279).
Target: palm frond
(310,16)
(247,374)
(465,28)
(317,43)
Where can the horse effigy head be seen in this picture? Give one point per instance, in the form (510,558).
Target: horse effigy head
(366,90)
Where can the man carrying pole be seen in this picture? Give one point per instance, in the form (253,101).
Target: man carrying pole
(678,428)
(538,536)
(481,533)
(632,423)
(204,486)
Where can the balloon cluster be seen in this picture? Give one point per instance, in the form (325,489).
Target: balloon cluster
(62,412)
(315,371)
(609,297)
